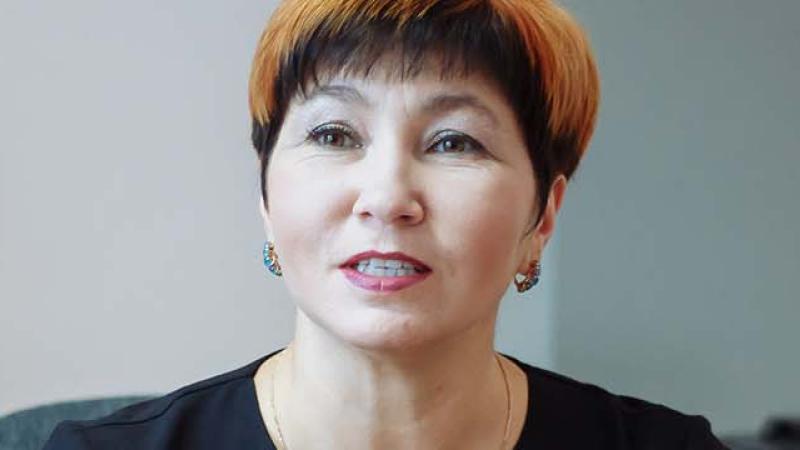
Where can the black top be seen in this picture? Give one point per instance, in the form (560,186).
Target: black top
(222,413)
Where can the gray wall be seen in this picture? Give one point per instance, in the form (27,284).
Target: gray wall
(129,227)
(680,254)
(129,233)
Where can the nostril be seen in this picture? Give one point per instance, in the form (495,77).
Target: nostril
(388,207)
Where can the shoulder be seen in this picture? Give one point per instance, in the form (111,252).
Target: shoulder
(192,413)
(569,413)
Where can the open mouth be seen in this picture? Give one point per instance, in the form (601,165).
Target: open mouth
(388,268)
(382,275)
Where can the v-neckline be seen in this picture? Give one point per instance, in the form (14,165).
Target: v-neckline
(268,444)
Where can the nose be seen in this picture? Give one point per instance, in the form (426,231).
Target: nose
(387,194)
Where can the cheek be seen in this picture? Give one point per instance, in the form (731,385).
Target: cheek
(301,214)
(481,223)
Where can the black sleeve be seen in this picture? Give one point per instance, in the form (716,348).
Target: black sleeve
(700,437)
(66,437)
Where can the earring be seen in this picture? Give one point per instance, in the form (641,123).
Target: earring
(271,259)
(531,278)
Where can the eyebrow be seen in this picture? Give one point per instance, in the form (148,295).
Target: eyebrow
(449,102)
(346,94)
(437,104)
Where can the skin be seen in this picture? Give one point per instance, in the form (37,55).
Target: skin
(449,183)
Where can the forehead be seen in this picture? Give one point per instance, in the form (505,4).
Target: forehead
(428,89)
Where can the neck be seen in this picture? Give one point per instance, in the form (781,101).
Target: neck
(448,394)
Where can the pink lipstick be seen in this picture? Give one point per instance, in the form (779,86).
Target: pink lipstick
(382,284)
(377,283)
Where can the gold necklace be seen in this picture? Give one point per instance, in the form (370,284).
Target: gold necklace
(499,363)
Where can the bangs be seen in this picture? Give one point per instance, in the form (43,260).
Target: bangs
(309,42)
(453,38)
(454,44)
(532,47)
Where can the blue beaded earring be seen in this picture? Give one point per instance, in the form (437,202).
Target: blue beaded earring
(531,278)
(271,259)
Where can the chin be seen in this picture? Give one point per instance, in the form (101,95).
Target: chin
(384,330)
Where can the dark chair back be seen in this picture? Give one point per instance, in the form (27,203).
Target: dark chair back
(29,429)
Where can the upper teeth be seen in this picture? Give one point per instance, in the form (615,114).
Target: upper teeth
(384,264)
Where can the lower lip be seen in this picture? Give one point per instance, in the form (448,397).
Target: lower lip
(382,284)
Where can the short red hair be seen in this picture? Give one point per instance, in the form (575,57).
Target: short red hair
(552,81)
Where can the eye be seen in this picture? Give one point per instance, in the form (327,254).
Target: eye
(453,142)
(333,135)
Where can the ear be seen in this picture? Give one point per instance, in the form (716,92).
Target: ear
(265,217)
(547,224)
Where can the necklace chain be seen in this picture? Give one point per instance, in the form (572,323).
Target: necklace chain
(499,363)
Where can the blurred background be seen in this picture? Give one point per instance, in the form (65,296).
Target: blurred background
(130,237)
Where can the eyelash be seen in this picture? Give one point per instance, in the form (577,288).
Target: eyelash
(315,134)
(462,138)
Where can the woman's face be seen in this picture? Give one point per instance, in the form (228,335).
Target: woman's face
(435,169)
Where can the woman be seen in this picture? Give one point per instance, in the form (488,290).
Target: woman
(414,156)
